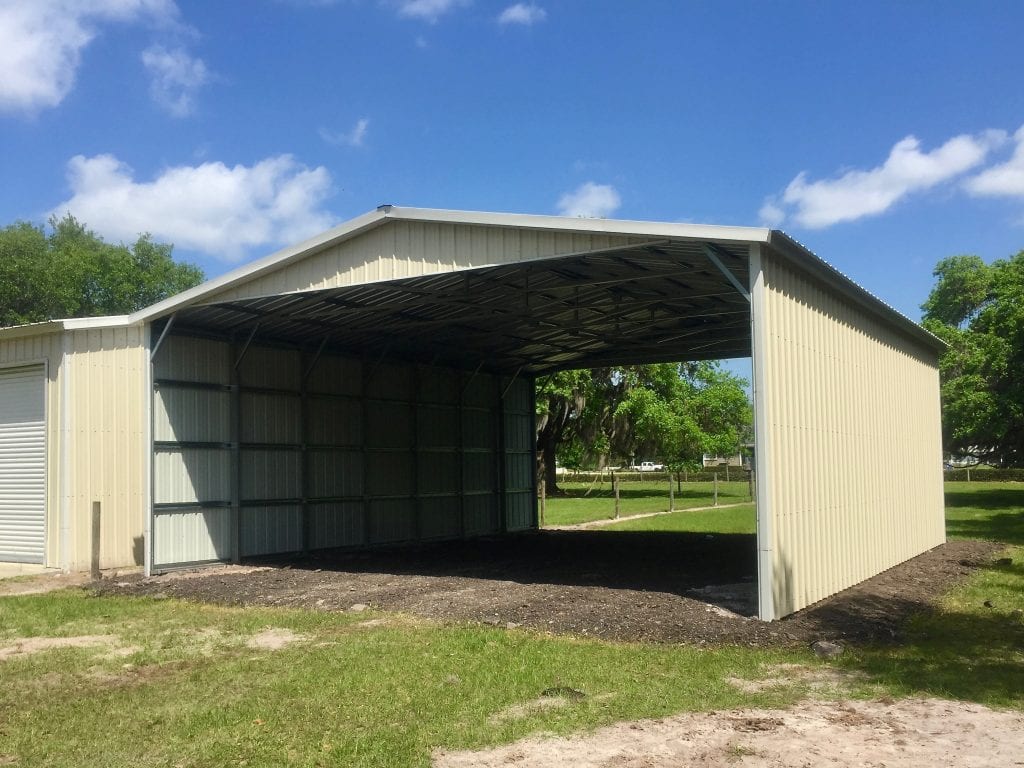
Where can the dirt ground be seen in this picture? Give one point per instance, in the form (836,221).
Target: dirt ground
(655,587)
(844,734)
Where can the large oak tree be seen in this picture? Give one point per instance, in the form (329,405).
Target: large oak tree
(66,270)
(978,309)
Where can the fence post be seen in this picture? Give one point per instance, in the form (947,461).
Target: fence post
(750,483)
(543,500)
(95,570)
(615,486)
(716,489)
(671,494)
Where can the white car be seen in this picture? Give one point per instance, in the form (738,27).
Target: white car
(649,466)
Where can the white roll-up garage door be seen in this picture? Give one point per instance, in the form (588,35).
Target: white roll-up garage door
(22,464)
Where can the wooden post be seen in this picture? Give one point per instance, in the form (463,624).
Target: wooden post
(95,571)
(671,495)
(543,500)
(716,489)
(615,487)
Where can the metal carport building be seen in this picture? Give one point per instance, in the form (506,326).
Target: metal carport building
(374,384)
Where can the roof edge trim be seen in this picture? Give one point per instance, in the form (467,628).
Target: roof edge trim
(583,225)
(254,269)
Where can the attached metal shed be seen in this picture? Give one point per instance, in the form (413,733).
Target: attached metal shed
(375,384)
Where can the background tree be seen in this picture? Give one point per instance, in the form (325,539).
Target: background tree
(978,309)
(671,411)
(72,272)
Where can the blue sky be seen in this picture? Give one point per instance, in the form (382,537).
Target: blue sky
(884,136)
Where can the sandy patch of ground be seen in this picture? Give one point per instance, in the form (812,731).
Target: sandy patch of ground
(527,708)
(26,646)
(43,582)
(822,681)
(273,639)
(909,732)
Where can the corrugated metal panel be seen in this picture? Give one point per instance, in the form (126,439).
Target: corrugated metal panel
(481,391)
(842,390)
(438,472)
(270,418)
(190,476)
(268,367)
(478,429)
(190,415)
(439,385)
(437,426)
(183,358)
(390,425)
(392,381)
(270,530)
(440,518)
(392,520)
(23,464)
(518,472)
(335,422)
(479,473)
(187,474)
(336,375)
(390,474)
(334,473)
(195,536)
(408,248)
(271,474)
(338,524)
(519,511)
(482,515)
(107,449)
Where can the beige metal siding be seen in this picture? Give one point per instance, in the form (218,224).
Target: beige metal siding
(107,453)
(332,452)
(410,248)
(192,462)
(45,348)
(850,432)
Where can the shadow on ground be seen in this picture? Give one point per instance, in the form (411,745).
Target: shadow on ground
(716,568)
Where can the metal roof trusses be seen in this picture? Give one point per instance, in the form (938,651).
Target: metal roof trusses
(657,302)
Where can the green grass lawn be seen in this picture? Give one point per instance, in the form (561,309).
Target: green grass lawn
(164,683)
(179,686)
(584,502)
(993,511)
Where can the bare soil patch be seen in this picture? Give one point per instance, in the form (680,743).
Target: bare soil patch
(909,732)
(42,582)
(656,587)
(26,646)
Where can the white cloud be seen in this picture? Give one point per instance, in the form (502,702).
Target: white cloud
(1004,180)
(209,208)
(771,214)
(41,43)
(175,78)
(590,201)
(859,193)
(352,138)
(428,10)
(522,13)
